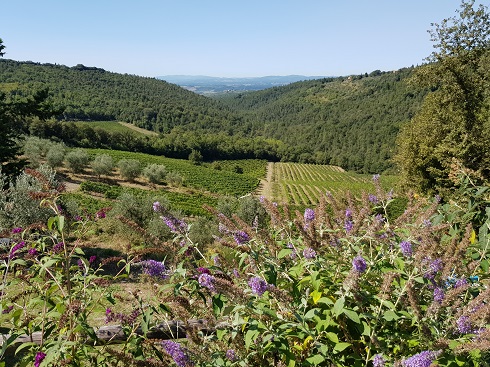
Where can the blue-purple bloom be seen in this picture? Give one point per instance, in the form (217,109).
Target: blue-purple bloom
(156,206)
(348,213)
(373,199)
(434,266)
(422,359)
(177,353)
(309,253)
(39,358)
(154,268)
(16,248)
(309,215)
(207,281)
(464,325)
(175,225)
(258,285)
(378,361)
(231,355)
(241,237)
(438,295)
(406,248)
(16,230)
(359,264)
(376,177)
(32,251)
(58,247)
(348,225)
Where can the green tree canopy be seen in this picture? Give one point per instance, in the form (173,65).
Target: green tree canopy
(452,128)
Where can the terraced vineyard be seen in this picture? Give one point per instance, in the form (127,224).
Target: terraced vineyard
(302,184)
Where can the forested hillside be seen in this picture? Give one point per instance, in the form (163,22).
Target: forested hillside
(348,121)
(89,93)
(351,121)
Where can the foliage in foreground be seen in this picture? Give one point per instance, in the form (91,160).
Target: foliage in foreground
(338,285)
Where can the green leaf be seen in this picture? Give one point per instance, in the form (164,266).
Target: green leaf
(338,307)
(311,313)
(332,337)
(352,315)
(315,296)
(218,303)
(339,347)
(390,315)
(315,359)
(284,252)
(250,337)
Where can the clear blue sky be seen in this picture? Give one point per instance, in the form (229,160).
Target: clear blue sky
(224,37)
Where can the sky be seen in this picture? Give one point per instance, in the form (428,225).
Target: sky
(227,38)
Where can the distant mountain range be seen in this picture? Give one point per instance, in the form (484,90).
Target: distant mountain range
(210,85)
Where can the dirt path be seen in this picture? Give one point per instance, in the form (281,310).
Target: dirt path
(265,187)
(138,129)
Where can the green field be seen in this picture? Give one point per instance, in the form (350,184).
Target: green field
(302,184)
(110,126)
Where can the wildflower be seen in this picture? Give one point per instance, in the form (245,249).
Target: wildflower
(32,251)
(427,223)
(58,247)
(376,178)
(241,237)
(378,361)
(207,281)
(293,254)
(379,218)
(8,309)
(464,325)
(309,253)
(309,215)
(175,225)
(39,358)
(348,225)
(216,261)
(460,282)
(438,295)
(156,206)
(92,259)
(231,355)
(155,269)
(348,213)
(100,214)
(16,230)
(434,266)
(16,248)
(236,274)
(373,199)
(406,248)
(177,353)
(422,359)
(202,270)
(258,285)
(359,264)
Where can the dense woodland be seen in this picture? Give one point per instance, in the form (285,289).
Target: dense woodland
(351,121)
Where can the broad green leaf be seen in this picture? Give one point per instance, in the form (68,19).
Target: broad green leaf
(390,315)
(284,252)
(315,296)
(250,337)
(332,337)
(315,359)
(338,307)
(352,315)
(341,346)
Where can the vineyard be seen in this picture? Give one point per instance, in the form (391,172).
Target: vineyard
(202,177)
(302,184)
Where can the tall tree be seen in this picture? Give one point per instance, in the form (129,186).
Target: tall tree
(13,115)
(452,127)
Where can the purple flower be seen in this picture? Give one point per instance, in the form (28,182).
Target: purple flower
(359,264)
(177,353)
(32,251)
(92,259)
(406,248)
(464,325)
(379,218)
(58,247)
(231,355)
(373,199)
(216,261)
(16,248)
(39,358)
(207,281)
(348,225)
(423,359)
(175,225)
(348,213)
(258,285)
(427,223)
(241,237)
(8,309)
(378,361)
(376,178)
(236,274)
(434,266)
(460,282)
(309,215)
(16,230)
(156,206)
(438,295)
(309,253)
(202,270)
(100,214)
(155,269)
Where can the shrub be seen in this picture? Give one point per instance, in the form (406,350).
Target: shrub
(155,173)
(56,155)
(77,160)
(129,168)
(102,164)
(174,179)
(195,157)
